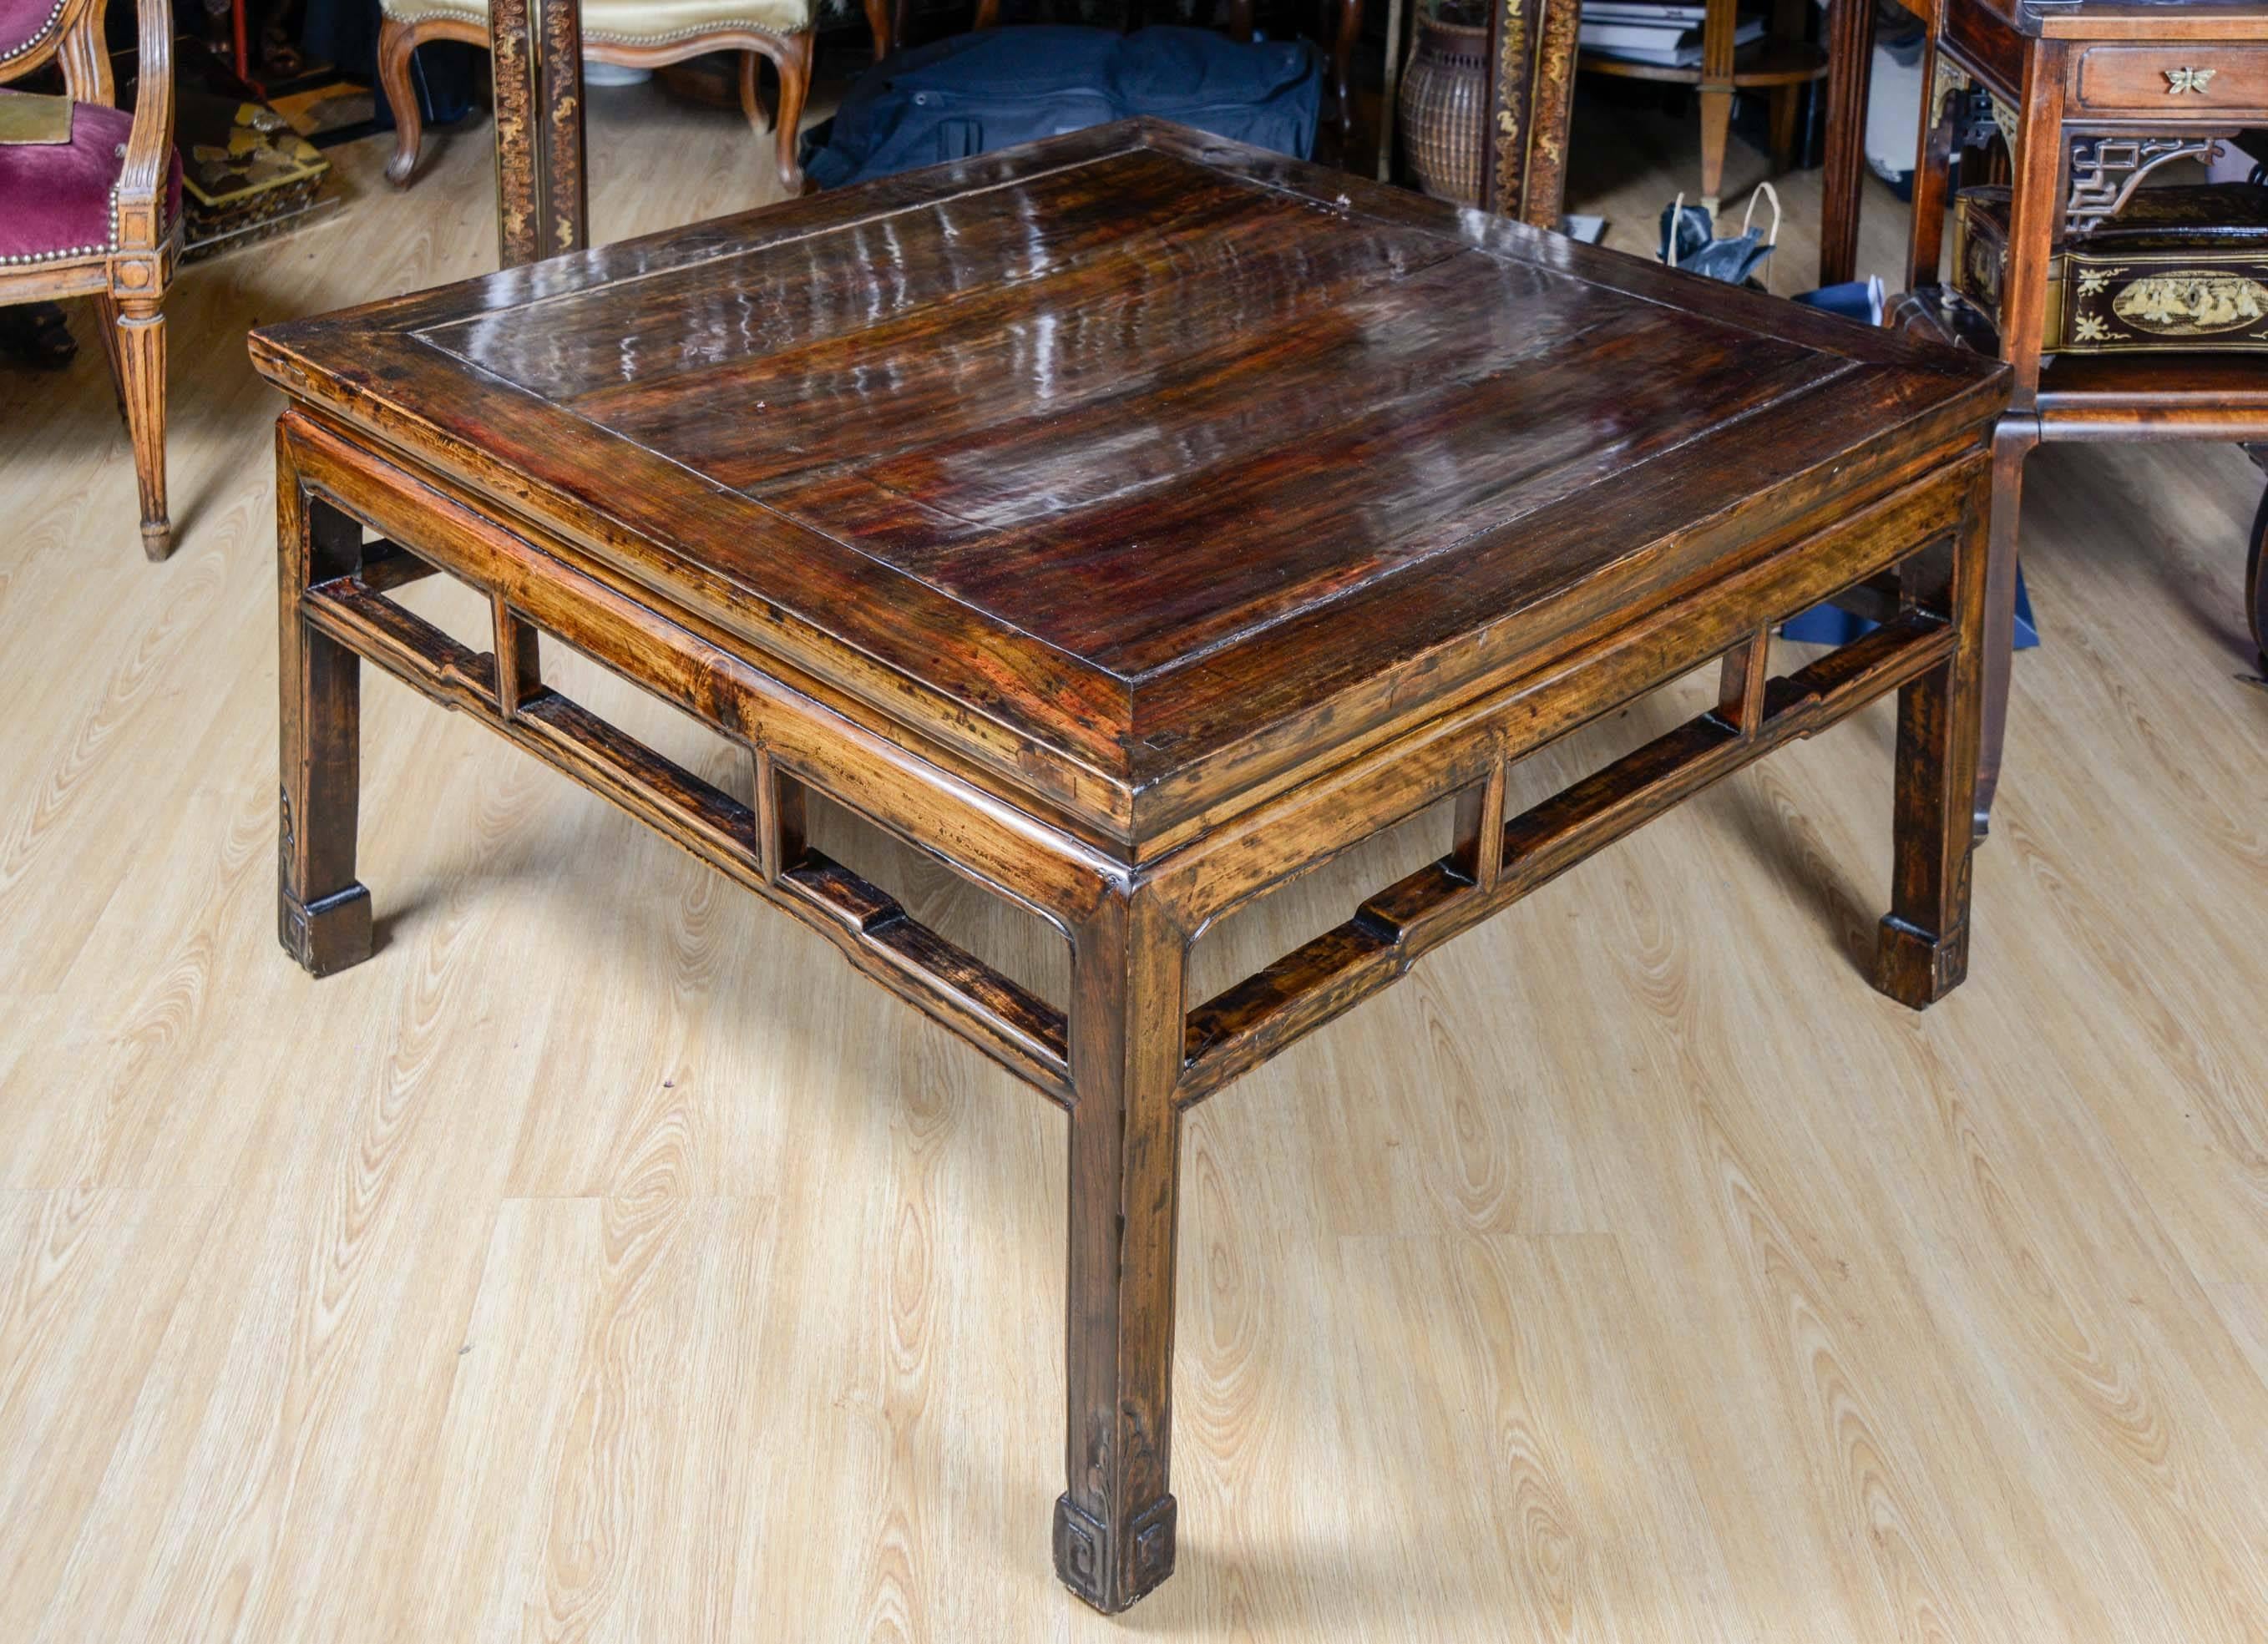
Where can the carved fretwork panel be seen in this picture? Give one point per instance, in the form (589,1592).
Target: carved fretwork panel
(2105,171)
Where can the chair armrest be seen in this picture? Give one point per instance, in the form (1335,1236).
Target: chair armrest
(142,179)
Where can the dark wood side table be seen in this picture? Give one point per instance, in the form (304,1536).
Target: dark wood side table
(2095,96)
(1310,506)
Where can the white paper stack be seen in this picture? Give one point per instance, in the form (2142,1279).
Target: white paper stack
(1663,32)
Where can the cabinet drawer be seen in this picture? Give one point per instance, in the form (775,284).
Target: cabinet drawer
(2172,80)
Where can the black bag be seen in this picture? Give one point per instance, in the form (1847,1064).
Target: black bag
(977,92)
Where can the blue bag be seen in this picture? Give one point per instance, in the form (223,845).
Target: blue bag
(977,92)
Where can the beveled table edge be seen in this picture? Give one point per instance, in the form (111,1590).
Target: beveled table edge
(1136,809)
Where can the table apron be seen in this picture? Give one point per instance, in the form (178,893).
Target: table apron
(1464,752)
(1325,814)
(793,739)
(1500,860)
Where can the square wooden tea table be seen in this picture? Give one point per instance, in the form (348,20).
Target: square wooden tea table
(1132,521)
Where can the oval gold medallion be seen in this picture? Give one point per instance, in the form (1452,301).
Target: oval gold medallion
(2202,304)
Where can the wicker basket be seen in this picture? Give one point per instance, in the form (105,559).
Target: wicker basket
(1443,109)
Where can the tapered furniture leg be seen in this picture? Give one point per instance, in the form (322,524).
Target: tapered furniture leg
(1350,32)
(1716,133)
(1719,29)
(2013,444)
(322,912)
(397,43)
(1114,1531)
(1922,949)
(137,327)
(2256,575)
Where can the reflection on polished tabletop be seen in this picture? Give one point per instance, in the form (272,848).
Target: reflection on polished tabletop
(1089,448)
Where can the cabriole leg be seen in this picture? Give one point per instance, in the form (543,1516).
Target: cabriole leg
(794,64)
(322,912)
(1922,950)
(397,44)
(1114,1531)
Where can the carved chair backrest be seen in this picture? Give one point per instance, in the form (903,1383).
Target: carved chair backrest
(33,31)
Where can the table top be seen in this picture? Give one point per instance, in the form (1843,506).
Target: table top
(1138,453)
(2122,19)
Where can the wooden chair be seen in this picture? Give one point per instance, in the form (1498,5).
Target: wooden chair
(632,34)
(100,215)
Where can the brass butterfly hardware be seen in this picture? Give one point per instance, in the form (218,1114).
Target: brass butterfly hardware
(2182,80)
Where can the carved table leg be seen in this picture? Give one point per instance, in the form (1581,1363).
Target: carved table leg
(1114,1531)
(2256,575)
(322,912)
(1922,951)
(2013,444)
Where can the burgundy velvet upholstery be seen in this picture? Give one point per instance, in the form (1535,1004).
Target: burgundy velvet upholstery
(55,197)
(25,23)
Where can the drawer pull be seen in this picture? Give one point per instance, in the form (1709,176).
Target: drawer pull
(2180,81)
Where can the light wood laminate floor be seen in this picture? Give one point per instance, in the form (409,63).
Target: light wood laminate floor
(606,1260)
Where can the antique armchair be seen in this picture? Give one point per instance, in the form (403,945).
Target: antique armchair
(99,215)
(634,33)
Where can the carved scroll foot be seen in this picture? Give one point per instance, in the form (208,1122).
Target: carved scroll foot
(1113,1572)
